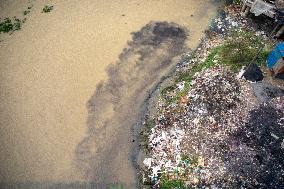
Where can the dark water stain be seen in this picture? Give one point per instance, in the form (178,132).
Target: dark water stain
(104,155)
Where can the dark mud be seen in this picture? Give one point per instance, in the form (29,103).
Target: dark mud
(104,155)
(263,134)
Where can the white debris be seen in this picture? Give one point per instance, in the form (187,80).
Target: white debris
(165,144)
(241,73)
(147,162)
(181,85)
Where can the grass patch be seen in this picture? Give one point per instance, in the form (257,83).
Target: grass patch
(240,49)
(166,183)
(208,63)
(167,89)
(9,25)
(47,9)
(187,76)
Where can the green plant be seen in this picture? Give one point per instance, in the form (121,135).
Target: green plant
(187,76)
(26,12)
(47,9)
(167,89)
(17,24)
(165,183)
(237,2)
(208,63)
(240,49)
(8,25)
(264,53)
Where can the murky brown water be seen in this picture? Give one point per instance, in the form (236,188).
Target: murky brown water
(51,68)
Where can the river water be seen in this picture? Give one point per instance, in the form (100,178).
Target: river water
(73,81)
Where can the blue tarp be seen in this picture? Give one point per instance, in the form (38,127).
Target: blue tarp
(275,55)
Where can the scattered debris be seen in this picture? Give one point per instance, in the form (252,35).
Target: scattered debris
(223,131)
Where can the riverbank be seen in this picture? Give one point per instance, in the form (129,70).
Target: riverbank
(194,131)
(62,115)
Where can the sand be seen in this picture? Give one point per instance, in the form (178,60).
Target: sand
(51,67)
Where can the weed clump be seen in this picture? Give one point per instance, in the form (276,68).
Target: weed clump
(26,12)
(187,76)
(208,63)
(10,25)
(240,48)
(47,9)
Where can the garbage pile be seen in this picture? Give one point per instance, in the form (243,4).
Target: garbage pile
(217,135)
(220,138)
(217,93)
(166,150)
(189,139)
(219,104)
